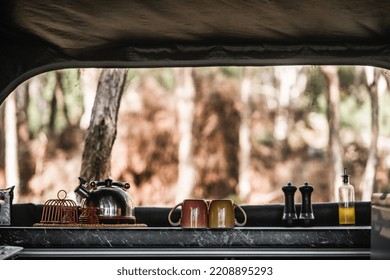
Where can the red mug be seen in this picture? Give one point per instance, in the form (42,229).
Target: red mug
(194,214)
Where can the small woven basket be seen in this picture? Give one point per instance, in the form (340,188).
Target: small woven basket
(60,211)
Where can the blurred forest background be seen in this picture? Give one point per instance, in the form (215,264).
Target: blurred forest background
(212,132)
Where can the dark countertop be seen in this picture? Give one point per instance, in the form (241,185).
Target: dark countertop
(168,241)
(275,237)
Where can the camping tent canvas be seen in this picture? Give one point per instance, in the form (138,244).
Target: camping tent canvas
(42,35)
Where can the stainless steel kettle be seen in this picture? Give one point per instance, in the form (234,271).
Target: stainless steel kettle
(115,205)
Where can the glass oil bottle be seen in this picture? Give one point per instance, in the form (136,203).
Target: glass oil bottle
(346,201)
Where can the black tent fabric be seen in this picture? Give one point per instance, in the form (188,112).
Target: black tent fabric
(40,35)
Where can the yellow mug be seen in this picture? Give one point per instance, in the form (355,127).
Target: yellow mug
(221,214)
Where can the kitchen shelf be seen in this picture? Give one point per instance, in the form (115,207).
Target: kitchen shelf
(337,241)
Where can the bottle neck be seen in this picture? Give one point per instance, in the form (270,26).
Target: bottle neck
(346,193)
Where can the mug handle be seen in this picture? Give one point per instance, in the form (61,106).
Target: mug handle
(170,213)
(243,212)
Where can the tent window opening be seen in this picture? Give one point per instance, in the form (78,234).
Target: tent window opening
(205,132)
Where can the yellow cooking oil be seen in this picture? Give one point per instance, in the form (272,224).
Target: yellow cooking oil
(347,215)
(346,193)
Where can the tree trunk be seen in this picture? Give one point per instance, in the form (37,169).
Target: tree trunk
(26,162)
(185,93)
(287,77)
(386,76)
(11,145)
(335,148)
(244,137)
(367,183)
(53,107)
(101,134)
(59,93)
(89,81)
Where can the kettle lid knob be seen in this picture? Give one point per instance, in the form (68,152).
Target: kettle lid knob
(108,182)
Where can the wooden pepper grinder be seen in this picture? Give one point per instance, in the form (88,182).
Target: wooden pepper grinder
(306,214)
(289,213)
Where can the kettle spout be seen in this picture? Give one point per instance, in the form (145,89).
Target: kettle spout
(81,190)
(82,181)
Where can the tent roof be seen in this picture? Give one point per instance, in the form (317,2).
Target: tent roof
(39,35)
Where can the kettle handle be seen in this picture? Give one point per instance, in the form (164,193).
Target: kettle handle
(124,186)
(110,183)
